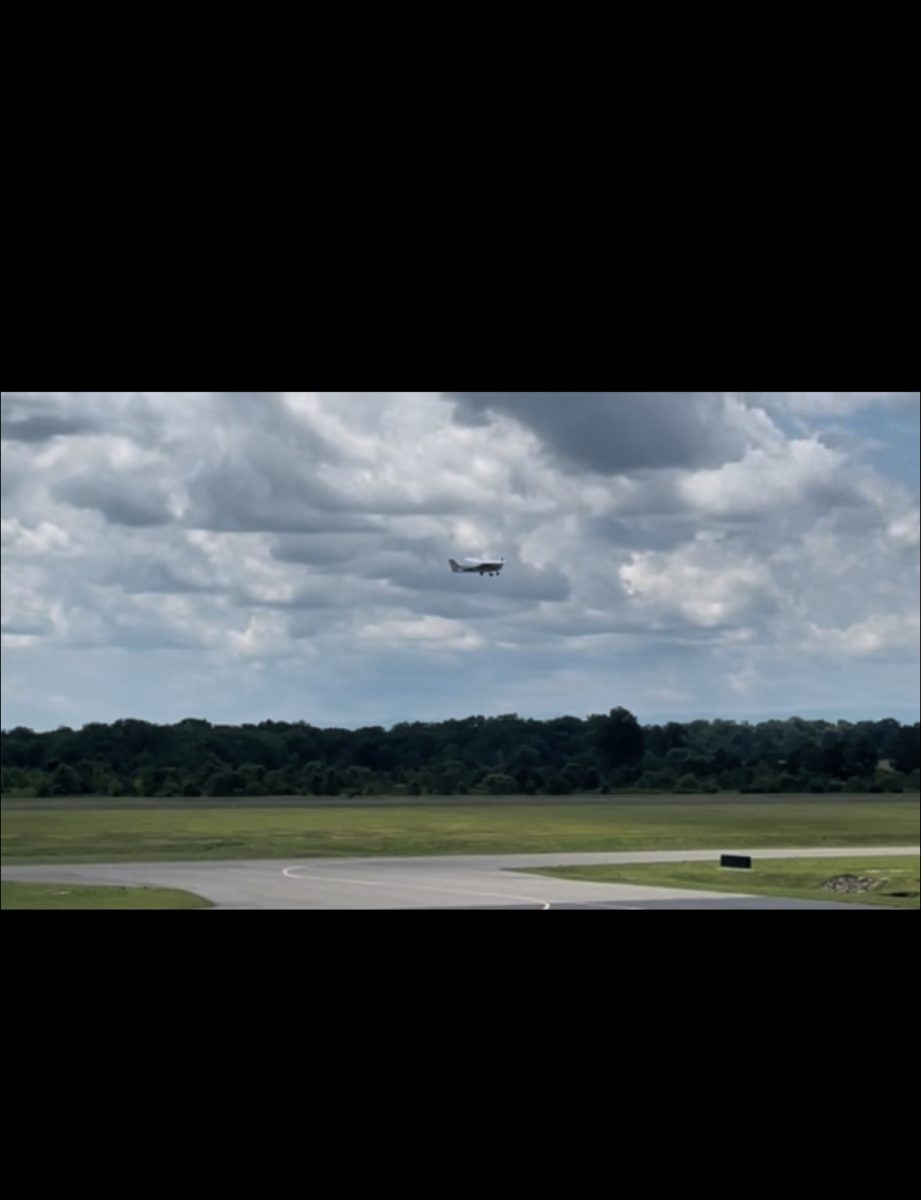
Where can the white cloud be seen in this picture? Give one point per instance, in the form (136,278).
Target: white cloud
(877,634)
(673,547)
(438,633)
(906,528)
(800,470)
(699,582)
(43,539)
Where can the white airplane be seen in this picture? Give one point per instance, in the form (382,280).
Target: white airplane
(478,566)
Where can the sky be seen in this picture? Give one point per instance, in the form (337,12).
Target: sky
(249,556)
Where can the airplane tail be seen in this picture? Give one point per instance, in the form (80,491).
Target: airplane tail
(455,567)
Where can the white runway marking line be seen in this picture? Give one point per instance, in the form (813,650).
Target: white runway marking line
(413,887)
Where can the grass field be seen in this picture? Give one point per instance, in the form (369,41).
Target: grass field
(82,834)
(67,895)
(800,878)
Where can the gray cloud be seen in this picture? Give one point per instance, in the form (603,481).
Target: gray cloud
(37,626)
(153,576)
(266,494)
(832,404)
(43,428)
(32,417)
(123,501)
(266,475)
(637,534)
(325,544)
(12,476)
(618,432)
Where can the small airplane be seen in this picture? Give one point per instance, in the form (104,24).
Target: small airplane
(477,566)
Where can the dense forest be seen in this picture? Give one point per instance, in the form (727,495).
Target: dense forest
(491,756)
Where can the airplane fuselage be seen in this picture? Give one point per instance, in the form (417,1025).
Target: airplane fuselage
(471,566)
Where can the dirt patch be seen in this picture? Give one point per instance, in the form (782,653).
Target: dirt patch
(851,883)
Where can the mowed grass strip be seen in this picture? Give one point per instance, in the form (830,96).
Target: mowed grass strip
(148,835)
(895,881)
(68,895)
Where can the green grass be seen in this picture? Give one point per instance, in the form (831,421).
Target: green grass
(67,895)
(802,878)
(468,827)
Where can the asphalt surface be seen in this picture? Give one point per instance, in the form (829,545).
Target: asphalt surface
(462,882)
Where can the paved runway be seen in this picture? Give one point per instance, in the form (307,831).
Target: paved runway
(462,882)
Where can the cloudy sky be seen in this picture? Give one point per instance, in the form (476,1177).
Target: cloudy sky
(241,556)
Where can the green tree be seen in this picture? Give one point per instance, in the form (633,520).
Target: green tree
(225,783)
(498,784)
(65,781)
(620,738)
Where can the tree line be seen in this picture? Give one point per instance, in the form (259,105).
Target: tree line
(477,755)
